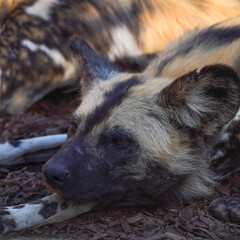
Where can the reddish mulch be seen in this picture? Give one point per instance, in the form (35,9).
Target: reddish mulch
(23,184)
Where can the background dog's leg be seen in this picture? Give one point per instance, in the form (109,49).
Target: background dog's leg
(48,210)
(17,151)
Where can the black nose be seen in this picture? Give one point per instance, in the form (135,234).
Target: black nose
(55,174)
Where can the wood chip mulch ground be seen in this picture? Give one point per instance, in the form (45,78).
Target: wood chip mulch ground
(22,184)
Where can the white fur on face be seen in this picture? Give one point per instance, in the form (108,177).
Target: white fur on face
(124,44)
(54,55)
(41,8)
(95,96)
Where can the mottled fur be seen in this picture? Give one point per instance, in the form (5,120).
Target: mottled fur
(151,133)
(148,136)
(35,58)
(47,210)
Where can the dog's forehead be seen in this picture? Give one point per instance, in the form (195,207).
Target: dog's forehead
(96,96)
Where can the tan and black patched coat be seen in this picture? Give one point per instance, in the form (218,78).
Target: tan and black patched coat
(151,134)
(168,133)
(34,55)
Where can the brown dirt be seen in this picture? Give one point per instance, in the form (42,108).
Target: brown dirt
(23,184)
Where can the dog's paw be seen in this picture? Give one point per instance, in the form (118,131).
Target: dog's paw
(226,209)
(6,223)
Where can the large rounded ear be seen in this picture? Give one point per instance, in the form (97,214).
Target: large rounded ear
(91,66)
(203,101)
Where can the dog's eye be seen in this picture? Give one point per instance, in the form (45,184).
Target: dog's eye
(121,142)
(116,137)
(72,129)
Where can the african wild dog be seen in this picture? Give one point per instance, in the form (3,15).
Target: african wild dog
(34,56)
(146,136)
(150,135)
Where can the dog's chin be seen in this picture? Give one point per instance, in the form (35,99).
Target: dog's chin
(104,198)
(53,190)
(86,197)
(49,187)
(103,202)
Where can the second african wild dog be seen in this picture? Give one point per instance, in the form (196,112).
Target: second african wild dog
(151,135)
(35,58)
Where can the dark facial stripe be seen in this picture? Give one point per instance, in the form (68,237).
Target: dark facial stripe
(208,39)
(112,99)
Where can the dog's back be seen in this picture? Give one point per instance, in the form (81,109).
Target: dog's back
(34,56)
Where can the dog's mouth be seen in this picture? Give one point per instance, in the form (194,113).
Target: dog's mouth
(118,199)
(94,194)
(54,190)
(51,189)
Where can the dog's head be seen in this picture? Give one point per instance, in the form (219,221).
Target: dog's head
(134,135)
